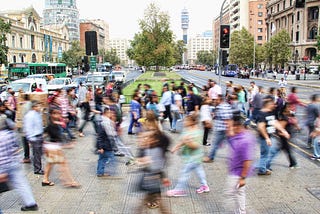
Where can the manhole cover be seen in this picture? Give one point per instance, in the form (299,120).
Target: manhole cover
(315,191)
(159,74)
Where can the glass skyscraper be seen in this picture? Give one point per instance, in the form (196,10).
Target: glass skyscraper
(62,12)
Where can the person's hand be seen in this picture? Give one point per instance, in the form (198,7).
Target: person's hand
(101,151)
(268,141)
(242,182)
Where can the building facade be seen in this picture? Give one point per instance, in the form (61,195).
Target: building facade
(239,15)
(121,46)
(257,23)
(198,43)
(29,42)
(301,20)
(62,12)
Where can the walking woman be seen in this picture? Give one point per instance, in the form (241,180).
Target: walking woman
(54,153)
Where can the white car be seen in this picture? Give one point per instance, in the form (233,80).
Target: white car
(118,76)
(28,85)
(59,83)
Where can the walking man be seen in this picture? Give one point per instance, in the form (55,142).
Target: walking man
(33,129)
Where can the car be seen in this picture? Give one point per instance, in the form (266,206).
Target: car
(118,76)
(28,85)
(59,83)
(97,81)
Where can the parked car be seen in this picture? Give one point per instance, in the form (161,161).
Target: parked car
(47,77)
(59,83)
(118,76)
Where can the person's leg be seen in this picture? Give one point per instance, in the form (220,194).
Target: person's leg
(101,163)
(175,115)
(287,148)
(205,135)
(37,153)
(241,200)
(47,171)
(131,124)
(316,147)
(264,153)
(274,150)
(20,183)
(26,148)
(201,174)
(112,163)
(218,140)
(84,123)
(169,115)
(230,193)
(184,176)
(310,140)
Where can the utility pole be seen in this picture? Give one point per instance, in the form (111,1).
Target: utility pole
(220,50)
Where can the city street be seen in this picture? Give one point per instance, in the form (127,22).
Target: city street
(285,191)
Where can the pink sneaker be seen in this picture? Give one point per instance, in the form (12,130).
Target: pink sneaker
(202,189)
(176,193)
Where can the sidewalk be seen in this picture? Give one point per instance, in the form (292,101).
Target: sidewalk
(285,191)
(304,83)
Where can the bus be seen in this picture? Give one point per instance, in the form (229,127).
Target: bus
(230,70)
(22,70)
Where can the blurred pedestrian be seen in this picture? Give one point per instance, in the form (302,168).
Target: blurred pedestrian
(54,153)
(206,119)
(192,153)
(166,100)
(26,105)
(135,113)
(152,159)
(312,113)
(176,109)
(33,129)
(222,118)
(10,167)
(267,126)
(242,146)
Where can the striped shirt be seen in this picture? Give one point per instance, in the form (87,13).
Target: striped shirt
(222,113)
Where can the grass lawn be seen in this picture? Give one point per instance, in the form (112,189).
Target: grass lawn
(155,82)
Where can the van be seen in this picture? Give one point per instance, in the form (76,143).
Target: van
(28,85)
(118,76)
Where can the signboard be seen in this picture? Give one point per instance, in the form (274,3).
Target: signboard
(59,52)
(93,62)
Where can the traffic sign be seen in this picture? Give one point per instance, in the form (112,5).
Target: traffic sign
(93,62)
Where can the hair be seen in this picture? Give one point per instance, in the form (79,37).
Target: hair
(193,117)
(314,97)
(293,89)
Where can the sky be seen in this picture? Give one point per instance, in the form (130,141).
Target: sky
(123,15)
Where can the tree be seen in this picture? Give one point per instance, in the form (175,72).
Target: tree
(112,57)
(242,48)
(73,56)
(4,29)
(179,50)
(205,57)
(280,48)
(153,46)
(318,47)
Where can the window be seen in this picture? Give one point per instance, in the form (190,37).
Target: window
(284,5)
(259,22)
(259,38)
(298,16)
(313,33)
(21,42)
(290,2)
(292,19)
(13,41)
(260,6)
(260,30)
(297,36)
(260,14)
(278,7)
(32,42)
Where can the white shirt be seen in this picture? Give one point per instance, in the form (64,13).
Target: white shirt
(214,91)
(205,113)
(282,84)
(177,102)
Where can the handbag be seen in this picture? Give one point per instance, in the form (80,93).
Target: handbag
(150,182)
(54,153)
(4,186)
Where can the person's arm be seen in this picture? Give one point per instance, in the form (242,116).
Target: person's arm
(280,128)
(263,131)
(244,173)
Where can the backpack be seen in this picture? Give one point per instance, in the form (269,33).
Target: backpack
(172,98)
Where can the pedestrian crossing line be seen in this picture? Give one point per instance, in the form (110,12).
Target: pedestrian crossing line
(300,149)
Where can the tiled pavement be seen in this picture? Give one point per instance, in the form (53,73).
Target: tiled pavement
(285,191)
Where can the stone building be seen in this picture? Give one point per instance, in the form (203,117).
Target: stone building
(28,41)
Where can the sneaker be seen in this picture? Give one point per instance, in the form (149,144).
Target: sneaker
(207,160)
(268,172)
(103,175)
(130,162)
(26,160)
(81,135)
(202,189)
(120,154)
(30,208)
(315,157)
(294,167)
(176,193)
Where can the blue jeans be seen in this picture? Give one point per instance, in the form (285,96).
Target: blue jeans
(19,182)
(316,147)
(185,173)
(220,136)
(106,156)
(175,117)
(132,122)
(264,154)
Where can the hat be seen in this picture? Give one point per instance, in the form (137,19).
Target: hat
(34,103)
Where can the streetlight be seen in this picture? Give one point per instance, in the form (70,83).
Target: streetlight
(254,41)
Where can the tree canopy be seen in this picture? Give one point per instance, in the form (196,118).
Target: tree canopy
(73,56)
(205,57)
(153,46)
(111,56)
(4,29)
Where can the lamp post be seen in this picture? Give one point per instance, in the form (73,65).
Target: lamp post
(220,50)
(254,41)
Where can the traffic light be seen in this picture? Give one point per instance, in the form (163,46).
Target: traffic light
(224,36)
(224,58)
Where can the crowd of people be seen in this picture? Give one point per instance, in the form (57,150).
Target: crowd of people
(239,116)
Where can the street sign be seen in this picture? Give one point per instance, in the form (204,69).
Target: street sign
(93,62)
